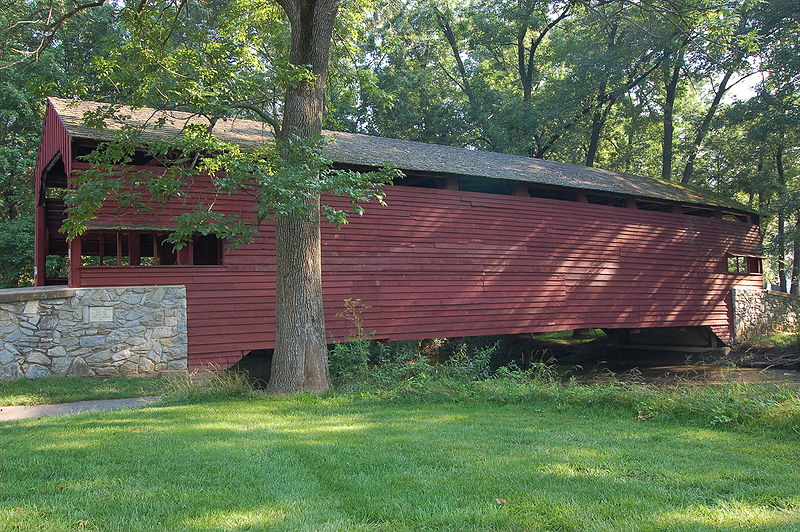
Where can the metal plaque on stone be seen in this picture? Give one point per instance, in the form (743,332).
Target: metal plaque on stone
(100,314)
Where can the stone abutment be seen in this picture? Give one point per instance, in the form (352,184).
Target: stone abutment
(88,332)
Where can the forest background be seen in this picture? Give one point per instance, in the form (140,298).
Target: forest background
(699,92)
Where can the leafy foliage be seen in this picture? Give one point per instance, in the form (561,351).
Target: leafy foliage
(582,81)
(16,247)
(283,177)
(34,65)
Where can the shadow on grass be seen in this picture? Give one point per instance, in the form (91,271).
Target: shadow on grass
(299,463)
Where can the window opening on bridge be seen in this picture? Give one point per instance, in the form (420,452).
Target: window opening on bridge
(552,193)
(657,206)
(735,217)
(421,182)
(698,211)
(744,264)
(147,248)
(605,199)
(486,185)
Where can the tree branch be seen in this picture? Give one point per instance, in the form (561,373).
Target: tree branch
(265,116)
(451,40)
(49,31)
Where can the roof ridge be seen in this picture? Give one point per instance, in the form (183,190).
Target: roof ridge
(412,155)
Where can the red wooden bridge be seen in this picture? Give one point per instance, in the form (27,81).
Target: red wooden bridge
(471,243)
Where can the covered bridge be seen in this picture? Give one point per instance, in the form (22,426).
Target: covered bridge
(471,243)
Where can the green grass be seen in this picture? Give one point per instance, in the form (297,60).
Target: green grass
(432,457)
(780,340)
(567,338)
(67,389)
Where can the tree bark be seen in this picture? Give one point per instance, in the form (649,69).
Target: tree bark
(700,136)
(781,220)
(671,88)
(599,119)
(526,65)
(300,360)
(794,289)
(601,111)
(447,30)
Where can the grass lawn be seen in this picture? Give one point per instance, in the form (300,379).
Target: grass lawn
(786,340)
(350,462)
(567,338)
(67,389)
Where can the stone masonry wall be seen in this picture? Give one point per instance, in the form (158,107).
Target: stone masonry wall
(87,332)
(764,311)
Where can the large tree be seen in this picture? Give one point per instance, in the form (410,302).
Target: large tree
(220,58)
(300,361)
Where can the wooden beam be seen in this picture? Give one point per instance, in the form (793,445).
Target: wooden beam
(134,249)
(74,254)
(119,248)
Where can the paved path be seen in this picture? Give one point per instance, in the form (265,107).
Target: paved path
(8,413)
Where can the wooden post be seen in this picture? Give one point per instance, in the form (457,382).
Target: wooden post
(40,246)
(101,248)
(134,249)
(186,255)
(74,254)
(119,248)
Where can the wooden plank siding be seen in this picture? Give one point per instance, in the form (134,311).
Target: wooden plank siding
(437,263)
(442,262)
(55,140)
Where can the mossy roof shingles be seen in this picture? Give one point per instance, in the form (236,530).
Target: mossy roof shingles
(368,150)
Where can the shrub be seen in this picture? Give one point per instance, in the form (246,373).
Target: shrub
(348,361)
(210,384)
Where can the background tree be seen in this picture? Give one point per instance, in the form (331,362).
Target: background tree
(646,87)
(45,48)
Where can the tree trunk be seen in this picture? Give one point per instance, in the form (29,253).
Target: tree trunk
(700,136)
(794,289)
(526,65)
(781,251)
(598,122)
(781,220)
(300,360)
(447,29)
(671,87)
(601,111)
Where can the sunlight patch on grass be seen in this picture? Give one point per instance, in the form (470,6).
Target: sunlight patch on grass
(256,519)
(781,339)
(569,470)
(51,390)
(333,463)
(731,515)
(706,435)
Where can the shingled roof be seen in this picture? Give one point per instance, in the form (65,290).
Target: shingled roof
(368,150)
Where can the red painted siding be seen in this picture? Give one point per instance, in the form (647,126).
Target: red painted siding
(437,263)
(55,140)
(448,263)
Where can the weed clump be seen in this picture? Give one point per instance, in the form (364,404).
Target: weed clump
(210,384)
(455,370)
